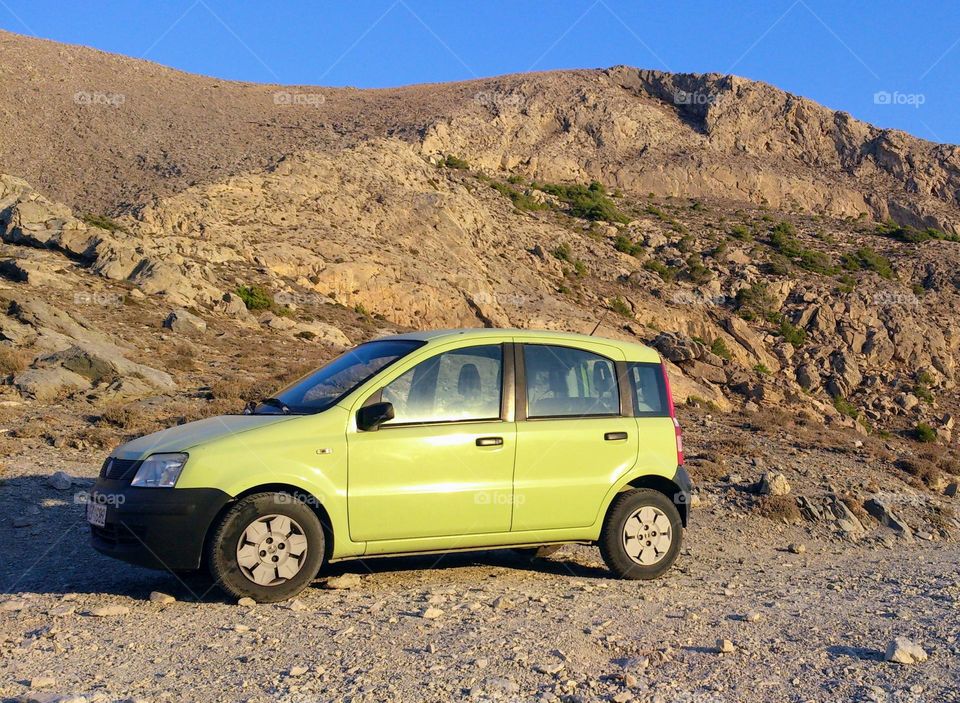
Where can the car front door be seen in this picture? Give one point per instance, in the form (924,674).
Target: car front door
(443,466)
(572,440)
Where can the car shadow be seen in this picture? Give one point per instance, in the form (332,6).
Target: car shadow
(46,550)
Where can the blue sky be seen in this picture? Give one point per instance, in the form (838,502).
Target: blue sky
(838,52)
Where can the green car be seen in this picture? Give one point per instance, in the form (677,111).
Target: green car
(414,443)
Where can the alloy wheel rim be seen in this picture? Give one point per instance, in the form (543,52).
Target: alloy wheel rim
(647,535)
(271,550)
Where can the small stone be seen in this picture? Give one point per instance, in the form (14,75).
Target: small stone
(774,483)
(297,605)
(502,603)
(61,481)
(22,521)
(43,682)
(549,668)
(12,606)
(725,647)
(623,697)
(629,680)
(240,628)
(247,602)
(903,651)
(343,582)
(796,548)
(297,671)
(161,598)
(61,611)
(431,613)
(107,611)
(752,616)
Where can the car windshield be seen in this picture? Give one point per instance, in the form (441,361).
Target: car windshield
(325,386)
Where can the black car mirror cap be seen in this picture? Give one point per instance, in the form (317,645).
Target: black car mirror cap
(370,418)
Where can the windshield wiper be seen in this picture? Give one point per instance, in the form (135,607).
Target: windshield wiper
(273,402)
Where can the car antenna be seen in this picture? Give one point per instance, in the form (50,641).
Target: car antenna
(599,322)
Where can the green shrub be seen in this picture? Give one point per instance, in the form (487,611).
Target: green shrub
(103,222)
(866,259)
(661,269)
(451,161)
(797,336)
(762,369)
(255,297)
(657,212)
(696,271)
(620,307)
(925,377)
(626,245)
(922,432)
(783,239)
(845,407)
(586,202)
(563,252)
(754,301)
(685,244)
(520,200)
(719,347)
(817,261)
(579,268)
(779,265)
(923,393)
(742,233)
(909,235)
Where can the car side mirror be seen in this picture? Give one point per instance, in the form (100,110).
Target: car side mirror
(372,416)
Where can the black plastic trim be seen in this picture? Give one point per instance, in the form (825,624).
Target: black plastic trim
(159,528)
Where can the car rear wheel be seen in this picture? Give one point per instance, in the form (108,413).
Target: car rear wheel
(641,534)
(269,547)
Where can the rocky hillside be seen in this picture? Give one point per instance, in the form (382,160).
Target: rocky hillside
(106,134)
(783,258)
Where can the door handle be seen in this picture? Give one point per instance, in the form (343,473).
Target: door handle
(489,441)
(614,436)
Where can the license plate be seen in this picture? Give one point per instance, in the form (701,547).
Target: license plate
(97,514)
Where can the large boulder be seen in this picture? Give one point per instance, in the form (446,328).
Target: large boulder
(185,322)
(49,382)
(104,362)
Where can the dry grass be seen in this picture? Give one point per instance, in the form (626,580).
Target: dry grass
(12,361)
(118,415)
(782,508)
(922,469)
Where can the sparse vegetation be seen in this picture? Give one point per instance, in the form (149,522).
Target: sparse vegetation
(910,235)
(665,272)
(742,233)
(619,306)
(845,407)
(923,432)
(103,222)
(12,361)
(563,252)
(587,202)
(866,259)
(796,336)
(255,297)
(626,245)
(451,161)
(720,348)
(520,200)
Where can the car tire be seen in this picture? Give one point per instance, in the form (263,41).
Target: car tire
(641,534)
(268,547)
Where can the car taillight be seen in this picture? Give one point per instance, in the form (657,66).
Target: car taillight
(673,414)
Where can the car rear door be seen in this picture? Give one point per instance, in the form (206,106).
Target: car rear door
(575,432)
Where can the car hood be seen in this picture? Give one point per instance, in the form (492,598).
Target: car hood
(182,437)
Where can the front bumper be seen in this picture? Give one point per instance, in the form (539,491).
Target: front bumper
(159,528)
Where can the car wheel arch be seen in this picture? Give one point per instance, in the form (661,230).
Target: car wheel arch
(662,485)
(296,492)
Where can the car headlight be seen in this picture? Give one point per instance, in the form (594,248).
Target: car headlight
(159,471)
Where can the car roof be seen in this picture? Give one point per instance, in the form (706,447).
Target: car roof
(632,351)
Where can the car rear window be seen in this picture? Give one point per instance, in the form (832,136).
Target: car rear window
(648,388)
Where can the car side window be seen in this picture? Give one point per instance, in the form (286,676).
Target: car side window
(457,385)
(649,389)
(568,382)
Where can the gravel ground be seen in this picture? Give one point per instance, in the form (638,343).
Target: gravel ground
(485,626)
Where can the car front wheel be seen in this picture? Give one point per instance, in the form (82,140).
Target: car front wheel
(268,547)
(641,534)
